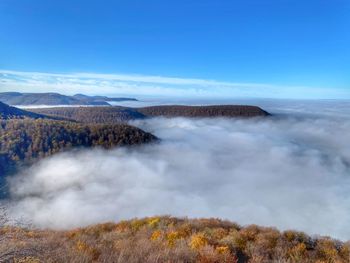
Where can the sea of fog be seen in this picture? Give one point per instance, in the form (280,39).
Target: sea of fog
(291,171)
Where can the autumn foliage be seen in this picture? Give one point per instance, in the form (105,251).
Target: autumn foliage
(168,239)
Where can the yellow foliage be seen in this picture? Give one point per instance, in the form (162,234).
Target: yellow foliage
(172,237)
(153,222)
(222,249)
(137,224)
(198,241)
(156,235)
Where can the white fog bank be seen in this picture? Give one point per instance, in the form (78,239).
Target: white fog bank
(292,173)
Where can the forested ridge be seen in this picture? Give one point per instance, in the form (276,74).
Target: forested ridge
(119,114)
(27,140)
(203,111)
(93,114)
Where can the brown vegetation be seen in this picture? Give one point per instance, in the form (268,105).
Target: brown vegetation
(203,111)
(123,114)
(92,114)
(167,239)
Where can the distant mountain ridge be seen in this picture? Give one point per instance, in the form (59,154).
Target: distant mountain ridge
(24,99)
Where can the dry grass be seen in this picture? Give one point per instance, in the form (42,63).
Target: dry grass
(168,239)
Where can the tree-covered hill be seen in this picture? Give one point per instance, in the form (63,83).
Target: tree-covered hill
(122,114)
(22,141)
(93,114)
(8,112)
(229,111)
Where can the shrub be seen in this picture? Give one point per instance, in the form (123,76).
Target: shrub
(156,235)
(298,252)
(153,221)
(172,237)
(198,241)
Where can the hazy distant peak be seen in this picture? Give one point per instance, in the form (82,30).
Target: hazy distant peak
(51,98)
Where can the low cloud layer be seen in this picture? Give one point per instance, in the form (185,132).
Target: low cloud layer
(292,173)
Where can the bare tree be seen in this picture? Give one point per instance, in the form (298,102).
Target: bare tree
(7,250)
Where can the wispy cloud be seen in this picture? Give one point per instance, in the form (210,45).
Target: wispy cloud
(157,86)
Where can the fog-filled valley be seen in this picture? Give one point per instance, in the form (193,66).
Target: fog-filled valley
(289,170)
(174,131)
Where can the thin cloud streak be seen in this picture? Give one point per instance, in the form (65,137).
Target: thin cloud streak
(155,86)
(134,78)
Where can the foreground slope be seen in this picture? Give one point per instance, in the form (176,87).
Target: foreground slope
(122,114)
(167,239)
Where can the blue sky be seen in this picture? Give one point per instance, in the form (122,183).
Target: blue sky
(271,48)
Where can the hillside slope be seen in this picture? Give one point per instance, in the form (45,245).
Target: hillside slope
(167,239)
(93,114)
(8,112)
(23,141)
